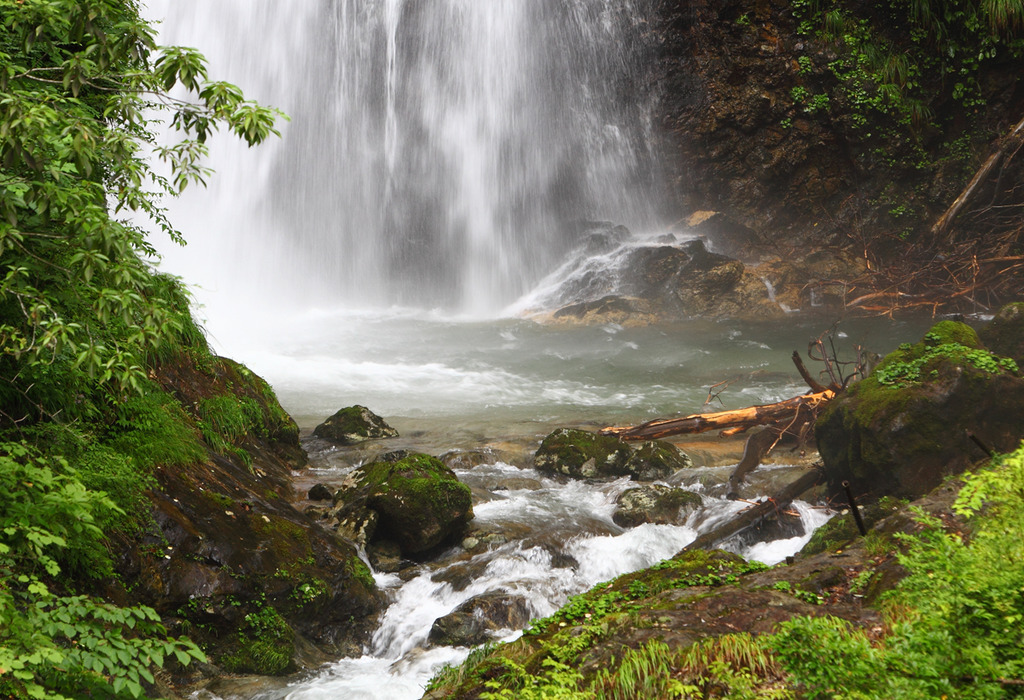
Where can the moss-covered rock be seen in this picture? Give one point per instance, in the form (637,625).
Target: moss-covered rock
(221,553)
(1004,334)
(904,428)
(419,502)
(842,529)
(353,425)
(654,503)
(582,455)
(656,459)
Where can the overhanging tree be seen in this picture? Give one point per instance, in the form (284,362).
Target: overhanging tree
(81,309)
(83,315)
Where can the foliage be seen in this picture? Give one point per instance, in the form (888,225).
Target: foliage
(646,672)
(899,374)
(954,624)
(559,681)
(266,645)
(80,309)
(945,341)
(85,320)
(152,429)
(65,646)
(738,666)
(225,420)
(902,71)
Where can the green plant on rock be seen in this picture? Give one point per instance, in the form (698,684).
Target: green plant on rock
(266,645)
(897,373)
(84,322)
(647,672)
(54,645)
(153,430)
(954,623)
(559,681)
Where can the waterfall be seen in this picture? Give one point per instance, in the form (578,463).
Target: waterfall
(440,153)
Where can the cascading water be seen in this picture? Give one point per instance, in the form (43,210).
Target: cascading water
(440,154)
(444,154)
(567,543)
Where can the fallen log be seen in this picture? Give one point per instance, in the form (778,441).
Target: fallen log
(755,514)
(735,421)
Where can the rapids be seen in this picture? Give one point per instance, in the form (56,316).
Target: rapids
(427,192)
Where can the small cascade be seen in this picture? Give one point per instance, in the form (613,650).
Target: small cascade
(569,544)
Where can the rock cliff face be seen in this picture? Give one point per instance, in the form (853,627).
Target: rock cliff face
(762,124)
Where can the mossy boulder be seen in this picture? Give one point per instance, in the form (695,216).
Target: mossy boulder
(1004,334)
(419,502)
(582,455)
(353,425)
(904,428)
(654,503)
(656,459)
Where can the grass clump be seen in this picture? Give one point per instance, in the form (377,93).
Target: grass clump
(153,430)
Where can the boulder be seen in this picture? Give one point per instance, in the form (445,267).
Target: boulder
(355,522)
(612,308)
(475,621)
(1004,334)
(598,237)
(904,428)
(582,455)
(353,425)
(656,459)
(386,556)
(419,503)
(319,492)
(654,503)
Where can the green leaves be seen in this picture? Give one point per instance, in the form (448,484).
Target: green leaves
(77,294)
(55,645)
(954,624)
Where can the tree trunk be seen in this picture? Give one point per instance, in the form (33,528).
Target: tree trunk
(946,220)
(735,421)
(750,516)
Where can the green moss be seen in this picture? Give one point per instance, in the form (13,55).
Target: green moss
(218,499)
(945,341)
(421,502)
(545,660)
(688,569)
(945,332)
(566,451)
(266,645)
(288,541)
(357,569)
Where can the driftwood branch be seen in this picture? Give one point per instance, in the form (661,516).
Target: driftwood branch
(751,516)
(816,386)
(1011,140)
(734,421)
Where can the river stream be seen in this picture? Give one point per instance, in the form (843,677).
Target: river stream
(491,389)
(429,194)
